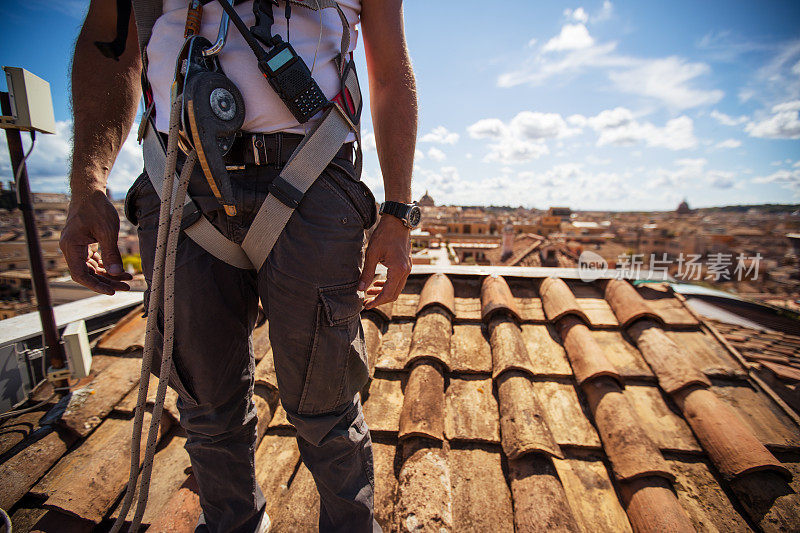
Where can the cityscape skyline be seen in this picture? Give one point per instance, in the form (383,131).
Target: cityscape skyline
(600,106)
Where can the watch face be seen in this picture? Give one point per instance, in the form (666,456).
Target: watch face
(414,216)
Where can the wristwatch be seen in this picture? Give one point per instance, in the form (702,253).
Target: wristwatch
(410,214)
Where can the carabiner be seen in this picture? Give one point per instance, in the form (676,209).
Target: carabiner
(222,36)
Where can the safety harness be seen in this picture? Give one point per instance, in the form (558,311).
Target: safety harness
(307,162)
(309,159)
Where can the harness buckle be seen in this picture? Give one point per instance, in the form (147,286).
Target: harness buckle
(344,100)
(285,192)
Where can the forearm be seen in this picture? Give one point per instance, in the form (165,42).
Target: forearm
(394,115)
(104,100)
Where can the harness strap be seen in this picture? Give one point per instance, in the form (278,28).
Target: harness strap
(202,232)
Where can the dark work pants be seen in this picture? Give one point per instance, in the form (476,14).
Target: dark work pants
(307,287)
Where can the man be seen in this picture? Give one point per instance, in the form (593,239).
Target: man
(308,285)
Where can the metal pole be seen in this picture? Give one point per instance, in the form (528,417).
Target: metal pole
(54,349)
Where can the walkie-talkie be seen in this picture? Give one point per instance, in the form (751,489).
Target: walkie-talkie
(289,76)
(285,71)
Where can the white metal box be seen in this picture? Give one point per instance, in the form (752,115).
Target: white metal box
(31,103)
(76,344)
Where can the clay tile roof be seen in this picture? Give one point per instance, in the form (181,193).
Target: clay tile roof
(496,297)
(558,300)
(626,303)
(438,290)
(508,403)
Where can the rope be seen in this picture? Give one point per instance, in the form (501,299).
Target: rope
(6,520)
(166,249)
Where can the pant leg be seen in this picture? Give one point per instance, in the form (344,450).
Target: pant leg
(213,366)
(308,286)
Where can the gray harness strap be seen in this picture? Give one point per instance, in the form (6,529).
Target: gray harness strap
(305,165)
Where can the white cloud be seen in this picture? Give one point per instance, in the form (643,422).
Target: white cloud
(727,120)
(487,128)
(671,80)
(523,138)
(720,179)
(572,37)
(440,135)
(604,13)
(368,142)
(783,124)
(667,80)
(788,179)
(618,127)
(728,143)
(578,14)
(534,125)
(436,154)
(418,155)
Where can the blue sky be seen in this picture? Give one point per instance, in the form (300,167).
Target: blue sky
(596,105)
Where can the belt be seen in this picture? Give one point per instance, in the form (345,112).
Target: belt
(270,149)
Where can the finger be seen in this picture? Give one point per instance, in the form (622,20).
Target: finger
(112,260)
(373,290)
(368,274)
(81,272)
(395,279)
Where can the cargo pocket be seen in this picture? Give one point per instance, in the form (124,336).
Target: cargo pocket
(130,198)
(337,366)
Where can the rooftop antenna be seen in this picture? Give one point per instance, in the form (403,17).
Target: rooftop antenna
(27,106)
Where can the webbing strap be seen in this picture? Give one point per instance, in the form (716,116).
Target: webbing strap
(202,232)
(146,13)
(309,160)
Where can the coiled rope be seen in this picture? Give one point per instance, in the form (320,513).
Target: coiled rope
(162,284)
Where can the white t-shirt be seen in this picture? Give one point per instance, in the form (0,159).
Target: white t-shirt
(264,110)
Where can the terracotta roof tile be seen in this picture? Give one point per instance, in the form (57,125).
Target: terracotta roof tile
(705,354)
(90,404)
(430,339)
(385,311)
(703,499)
(480,495)
(469,350)
(523,423)
(22,470)
(261,344)
(173,468)
(496,297)
(395,345)
(126,335)
(382,406)
(585,355)
(127,405)
(591,494)
(471,411)
(540,502)
(671,310)
(631,451)
(769,424)
(671,366)
(622,354)
(179,514)
(728,441)
(424,494)
(653,506)
(770,502)
(423,405)
(438,461)
(548,357)
(87,481)
(564,414)
(265,373)
(664,426)
(373,333)
(628,305)
(558,300)
(508,347)
(785,372)
(438,290)
(384,455)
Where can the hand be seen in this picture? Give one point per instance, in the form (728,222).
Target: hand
(92,220)
(389,245)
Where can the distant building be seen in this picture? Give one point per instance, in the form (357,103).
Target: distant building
(683,208)
(426,200)
(562,212)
